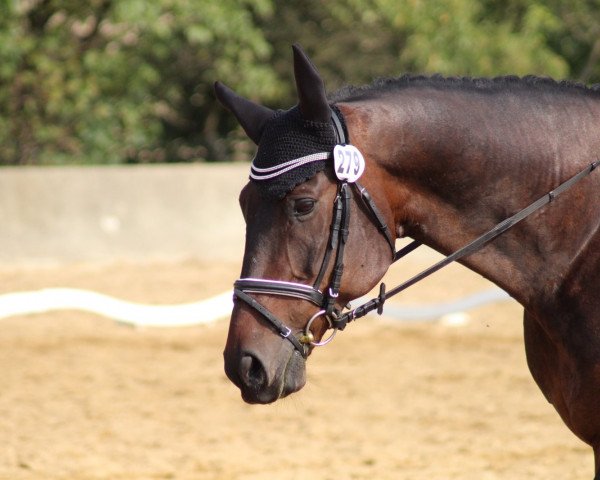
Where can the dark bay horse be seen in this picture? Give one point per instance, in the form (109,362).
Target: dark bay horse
(444,161)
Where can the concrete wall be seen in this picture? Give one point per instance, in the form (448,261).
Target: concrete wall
(63,214)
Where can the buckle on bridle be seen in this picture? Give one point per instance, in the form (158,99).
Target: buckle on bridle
(287,332)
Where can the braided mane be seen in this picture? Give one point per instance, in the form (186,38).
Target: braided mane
(498,84)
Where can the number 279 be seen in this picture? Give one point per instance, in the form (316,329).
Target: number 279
(348,160)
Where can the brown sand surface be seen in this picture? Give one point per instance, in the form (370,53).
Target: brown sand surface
(84,398)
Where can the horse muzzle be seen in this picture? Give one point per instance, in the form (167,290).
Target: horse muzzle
(265,382)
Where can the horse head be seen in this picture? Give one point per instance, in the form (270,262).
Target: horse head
(311,245)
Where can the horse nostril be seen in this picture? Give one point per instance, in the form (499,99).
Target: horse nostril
(252,372)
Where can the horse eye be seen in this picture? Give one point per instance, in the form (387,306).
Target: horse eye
(303,206)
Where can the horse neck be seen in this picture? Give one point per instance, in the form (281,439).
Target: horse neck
(453,165)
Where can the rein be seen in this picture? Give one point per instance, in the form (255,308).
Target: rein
(326,301)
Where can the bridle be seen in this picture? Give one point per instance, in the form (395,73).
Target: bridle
(327,300)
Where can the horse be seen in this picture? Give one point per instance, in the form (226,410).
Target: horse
(338,179)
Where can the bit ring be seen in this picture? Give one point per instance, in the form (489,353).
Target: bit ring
(308,333)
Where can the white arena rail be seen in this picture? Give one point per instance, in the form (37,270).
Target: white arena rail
(196,313)
(140,315)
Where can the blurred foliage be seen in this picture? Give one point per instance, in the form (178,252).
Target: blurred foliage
(108,81)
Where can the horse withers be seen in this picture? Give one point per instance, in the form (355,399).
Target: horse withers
(441,160)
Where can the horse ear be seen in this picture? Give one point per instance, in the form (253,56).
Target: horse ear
(312,98)
(252,116)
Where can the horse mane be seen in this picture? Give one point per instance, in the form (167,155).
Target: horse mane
(497,84)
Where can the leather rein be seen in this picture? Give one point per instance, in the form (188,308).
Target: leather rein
(326,301)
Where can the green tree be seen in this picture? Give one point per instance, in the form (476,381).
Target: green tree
(358,40)
(131,81)
(576,37)
(569,29)
(104,81)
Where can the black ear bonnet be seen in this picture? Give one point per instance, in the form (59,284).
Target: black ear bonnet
(288,136)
